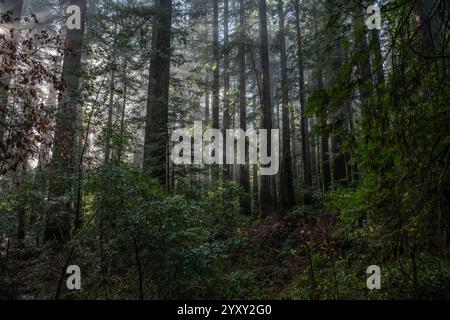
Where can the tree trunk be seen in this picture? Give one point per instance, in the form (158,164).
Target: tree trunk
(365,83)
(340,122)
(324,148)
(122,118)
(268,206)
(315,171)
(378,68)
(207,106)
(64,148)
(325,157)
(287,197)
(156,129)
(112,88)
(216,78)
(426,10)
(306,151)
(244,178)
(226,88)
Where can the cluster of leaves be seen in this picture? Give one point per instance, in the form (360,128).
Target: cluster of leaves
(167,245)
(27,112)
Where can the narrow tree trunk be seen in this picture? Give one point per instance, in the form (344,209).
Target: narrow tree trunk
(378,60)
(244,178)
(325,157)
(156,129)
(216,78)
(207,107)
(112,88)
(255,185)
(267,195)
(207,122)
(122,118)
(315,171)
(287,197)
(378,68)
(324,148)
(226,88)
(365,84)
(306,157)
(340,122)
(326,177)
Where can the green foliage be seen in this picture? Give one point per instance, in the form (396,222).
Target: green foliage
(25,196)
(174,242)
(301,213)
(350,202)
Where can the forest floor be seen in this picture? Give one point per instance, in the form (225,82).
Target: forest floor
(261,263)
(270,253)
(27,272)
(308,257)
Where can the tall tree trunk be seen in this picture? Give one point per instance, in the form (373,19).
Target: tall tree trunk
(268,206)
(364,70)
(306,151)
(156,129)
(315,171)
(122,118)
(378,59)
(216,78)
(207,106)
(44,153)
(112,88)
(426,11)
(226,87)
(287,197)
(207,121)
(378,69)
(11,35)
(244,178)
(255,184)
(325,156)
(64,148)
(324,148)
(340,122)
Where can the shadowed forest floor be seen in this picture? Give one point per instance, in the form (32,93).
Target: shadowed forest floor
(261,263)
(270,259)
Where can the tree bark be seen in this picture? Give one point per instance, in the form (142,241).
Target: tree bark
(340,123)
(306,151)
(122,118)
(156,129)
(64,147)
(207,107)
(244,178)
(226,88)
(287,196)
(324,148)
(112,88)
(216,79)
(268,206)
(365,83)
